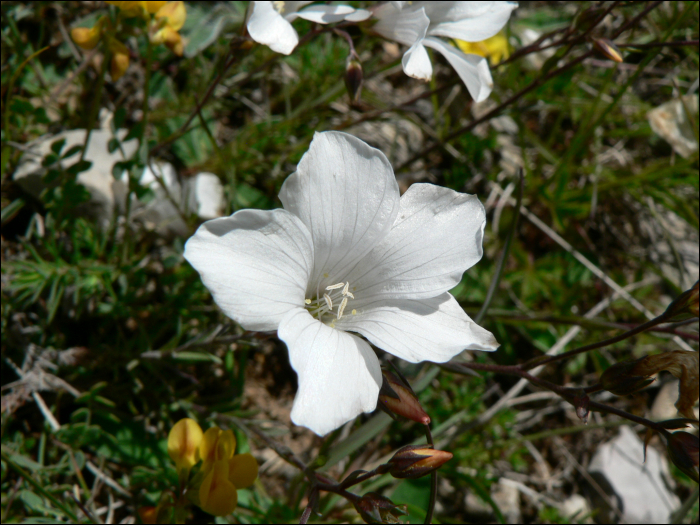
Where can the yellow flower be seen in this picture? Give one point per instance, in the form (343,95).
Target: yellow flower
(217,494)
(495,48)
(169,20)
(85,37)
(183,443)
(174,13)
(216,445)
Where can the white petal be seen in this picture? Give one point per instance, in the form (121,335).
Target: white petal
(346,194)
(267,26)
(358,16)
(416,62)
(433,329)
(403,26)
(255,263)
(470,21)
(326,14)
(472,69)
(435,239)
(339,374)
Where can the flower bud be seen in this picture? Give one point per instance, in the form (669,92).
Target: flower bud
(683,451)
(608,49)
(375,508)
(581,403)
(354,78)
(415,461)
(622,378)
(86,38)
(684,307)
(395,397)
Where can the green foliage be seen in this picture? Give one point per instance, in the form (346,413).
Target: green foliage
(109,337)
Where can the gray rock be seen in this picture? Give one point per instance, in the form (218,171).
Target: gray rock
(636,487)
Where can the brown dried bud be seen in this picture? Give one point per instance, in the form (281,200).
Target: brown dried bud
(683,450)
(354,78)
(608,49)
(624,378)
(375,508)
(397,398)
(684,307)
(415,461)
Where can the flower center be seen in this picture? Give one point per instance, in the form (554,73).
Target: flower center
(333,301)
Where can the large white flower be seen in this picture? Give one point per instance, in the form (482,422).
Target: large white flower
(416,24)
(270,22)
(347,254)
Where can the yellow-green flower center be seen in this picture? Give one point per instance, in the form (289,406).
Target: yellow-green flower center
(333,301)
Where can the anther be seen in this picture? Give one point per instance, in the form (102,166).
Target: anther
(345,288)
(329,301)
(307,301)
(348,294)
(335,286)
(342,306)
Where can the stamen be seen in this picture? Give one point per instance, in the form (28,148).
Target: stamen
(345,289)
(329,301)
(335,286)
(307,301)
(342,306)
(348,294)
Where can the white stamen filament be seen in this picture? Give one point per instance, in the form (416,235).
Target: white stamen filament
(342,307)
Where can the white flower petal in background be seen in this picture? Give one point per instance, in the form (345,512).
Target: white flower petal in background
(434,329)
(404,27)
(269,23)
(468,21)
(346,194)
(416,62)
(339,375)
(325,14)
(347,254)
(472,69)
(256,264)
(405,23)
(267,26)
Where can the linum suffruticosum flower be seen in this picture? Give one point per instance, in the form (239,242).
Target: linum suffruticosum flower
(269,23)
(222,472)
(416,24)
(347,254)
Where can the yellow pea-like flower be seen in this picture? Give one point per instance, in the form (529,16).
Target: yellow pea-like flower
(184,441)
(242,470)
(495,48)
(216,445)
(173,12)
(86,37)
(217,495)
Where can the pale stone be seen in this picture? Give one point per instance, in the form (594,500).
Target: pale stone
(670,121)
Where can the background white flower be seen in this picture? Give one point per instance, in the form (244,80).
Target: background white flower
(270,22)
(416,24)
(347,254)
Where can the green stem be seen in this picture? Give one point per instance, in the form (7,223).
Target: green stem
(433,482)
(504,253)
(37,486)
(95,107)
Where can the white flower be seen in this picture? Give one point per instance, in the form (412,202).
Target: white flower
(347,254)
(270,22)
(416,24)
